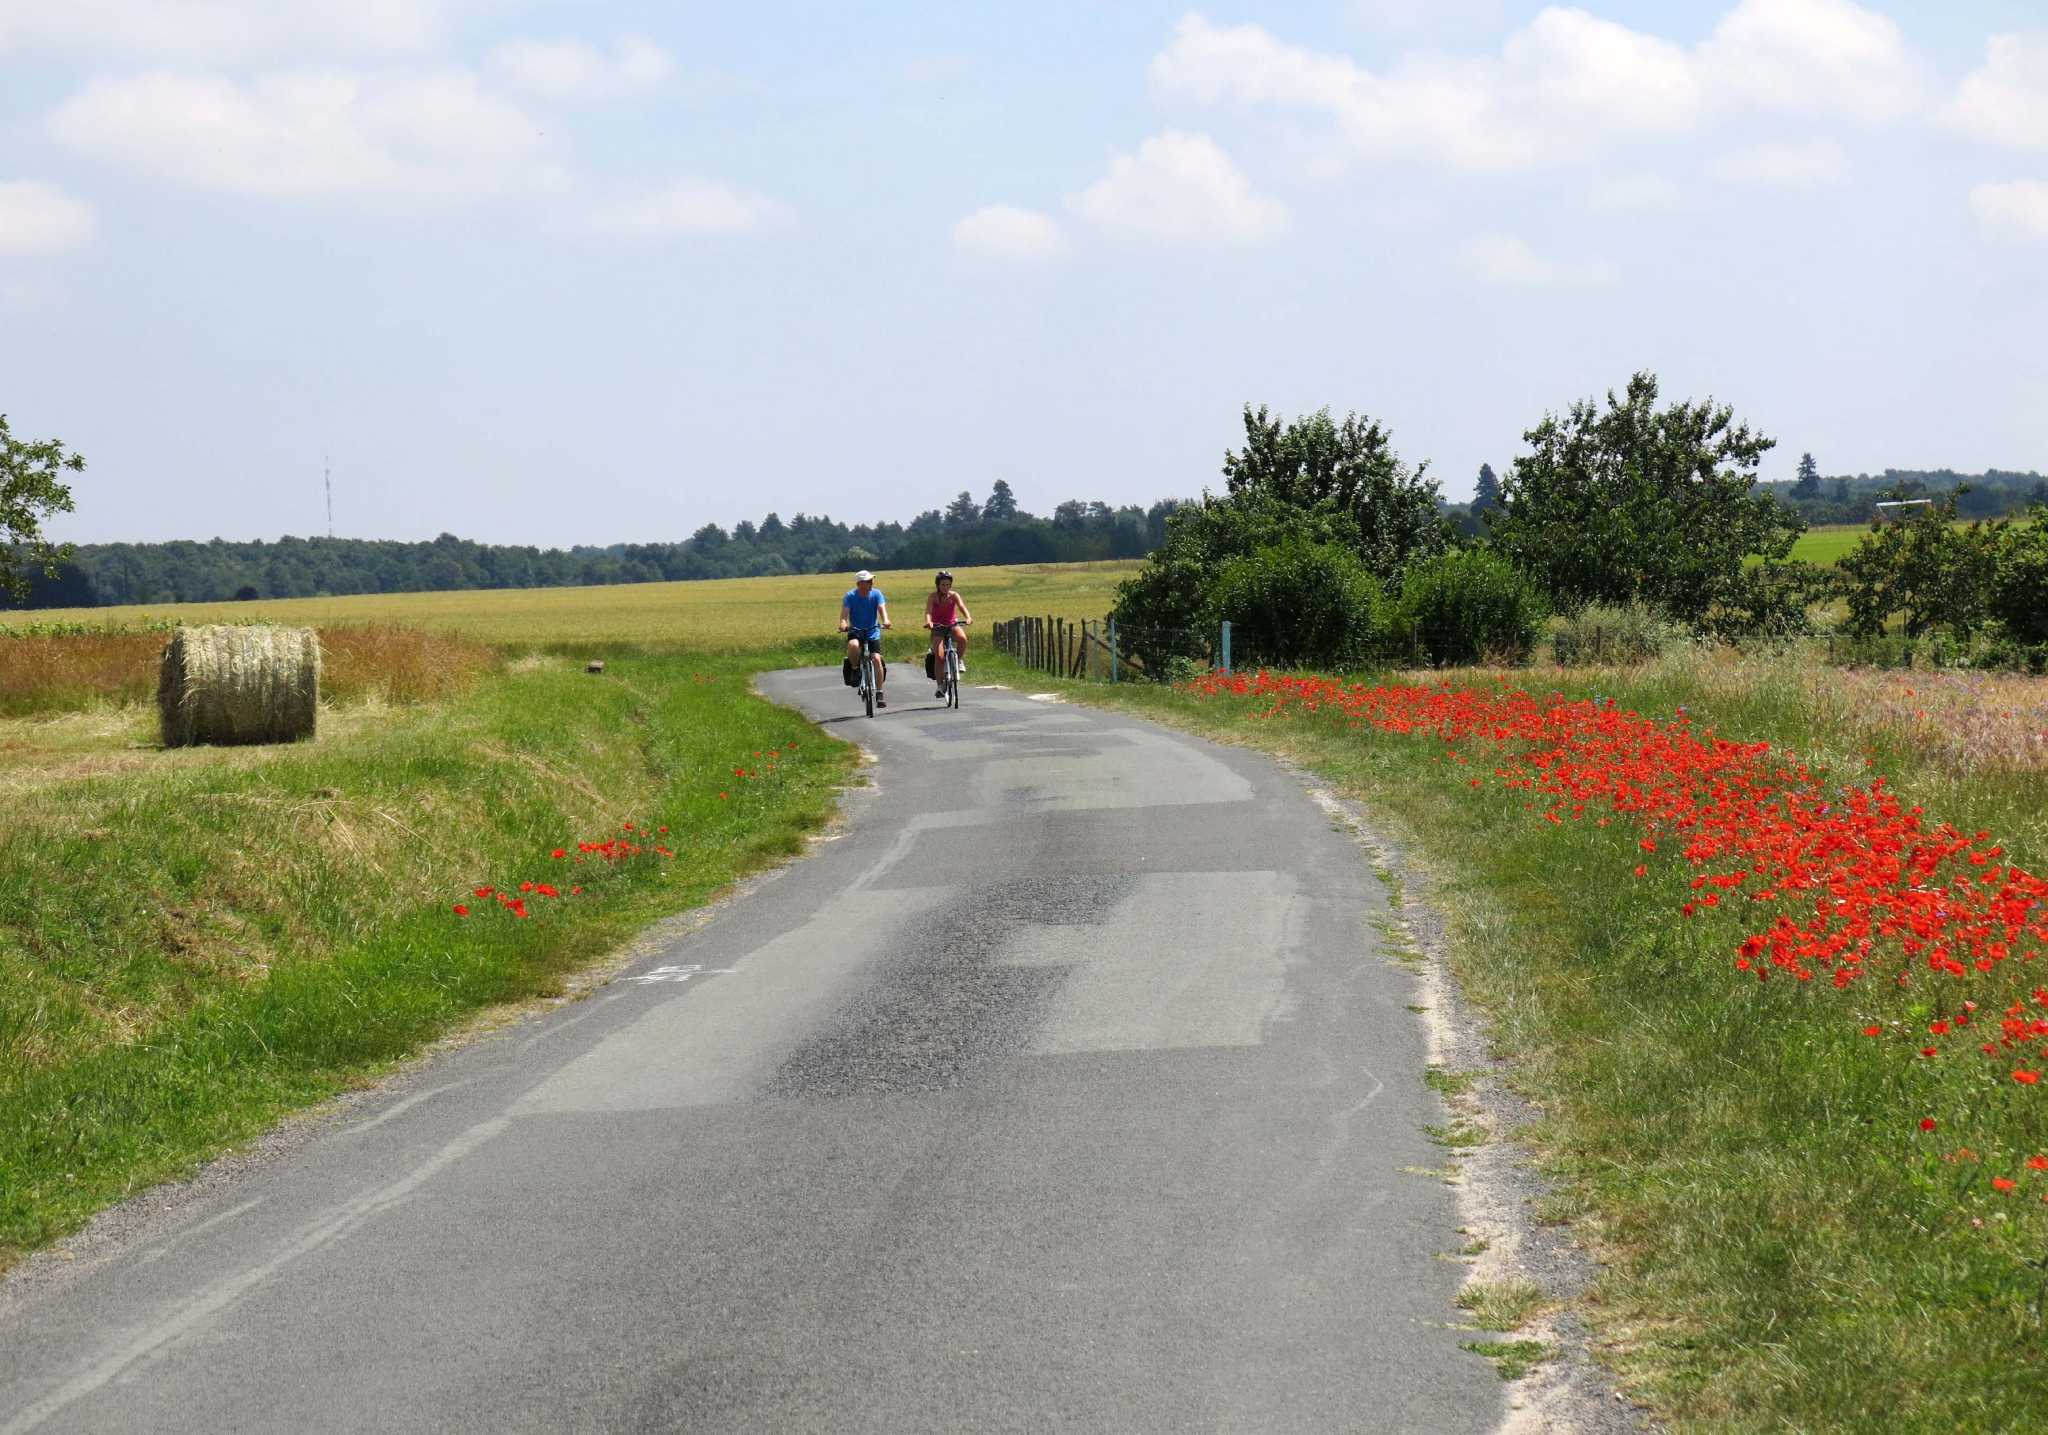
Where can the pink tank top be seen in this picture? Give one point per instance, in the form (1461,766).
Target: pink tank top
(944,611)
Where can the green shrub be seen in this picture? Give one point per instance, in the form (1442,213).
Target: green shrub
(1300,604)
(1613,633)
(2019,581)
(1469,607)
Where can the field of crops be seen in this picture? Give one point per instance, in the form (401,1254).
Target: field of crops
(714,617)
(1829,544)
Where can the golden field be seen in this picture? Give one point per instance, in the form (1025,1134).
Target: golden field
(716,616)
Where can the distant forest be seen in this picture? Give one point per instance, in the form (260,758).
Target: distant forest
(963,533)
(1844,498)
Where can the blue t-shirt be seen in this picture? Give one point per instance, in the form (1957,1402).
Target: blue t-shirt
(864,615)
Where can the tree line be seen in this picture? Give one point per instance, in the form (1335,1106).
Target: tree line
(965,532)
(1325,548)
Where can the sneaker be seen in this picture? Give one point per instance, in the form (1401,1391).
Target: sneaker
(880,701)
(939,691)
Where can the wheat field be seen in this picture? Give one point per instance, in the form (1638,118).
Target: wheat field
(713,616)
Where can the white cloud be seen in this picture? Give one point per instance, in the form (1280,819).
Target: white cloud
(226,31)
(1815,57)
(577,70)
(683,208)
(1639,191)
(1504,259)
(2006,101)
(1788,166)
(2020,207)
(1560,81)
(426,137)
(1004,231)
(1179,187)
(1563,84)
(40,219)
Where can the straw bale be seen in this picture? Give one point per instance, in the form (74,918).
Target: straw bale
(231,685)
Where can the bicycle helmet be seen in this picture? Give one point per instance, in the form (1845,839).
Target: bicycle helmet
(944,575)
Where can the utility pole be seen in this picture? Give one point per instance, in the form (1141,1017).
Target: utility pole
(327,478)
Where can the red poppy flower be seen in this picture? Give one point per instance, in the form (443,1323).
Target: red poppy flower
(2003,1183)
(1927,1123)
(460,910)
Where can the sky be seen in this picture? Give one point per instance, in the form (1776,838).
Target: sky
(593,272)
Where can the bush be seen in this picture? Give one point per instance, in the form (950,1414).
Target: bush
(1469,607)
(2019,581)
(1300,604)
(1613,633)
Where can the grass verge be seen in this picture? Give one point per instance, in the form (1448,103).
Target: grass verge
(1784,1250)
(190,948)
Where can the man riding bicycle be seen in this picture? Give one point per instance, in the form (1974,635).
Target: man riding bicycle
(945,612)
(863,614)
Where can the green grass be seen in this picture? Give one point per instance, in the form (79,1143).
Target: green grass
(193,944)
(1500,1305)
(1512,1358)
(1830,543)
(1783,1250)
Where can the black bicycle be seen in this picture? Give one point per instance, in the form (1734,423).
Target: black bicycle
(870,677)
(949,667)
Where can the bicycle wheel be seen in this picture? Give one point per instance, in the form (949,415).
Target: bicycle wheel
(952,676)
(867,687)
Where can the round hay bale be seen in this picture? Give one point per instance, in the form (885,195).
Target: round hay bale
(229,685)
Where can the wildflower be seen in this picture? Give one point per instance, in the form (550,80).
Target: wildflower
(2003,1183)
(1927,1123)
(1873,1031)
(1641,870)
(559,853)
(460,910)
(2027,1078)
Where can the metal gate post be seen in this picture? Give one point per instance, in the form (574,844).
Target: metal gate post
(1226,645)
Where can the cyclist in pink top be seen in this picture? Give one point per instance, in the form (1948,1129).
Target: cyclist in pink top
(944,610)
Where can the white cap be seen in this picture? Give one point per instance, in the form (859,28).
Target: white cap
(863,576)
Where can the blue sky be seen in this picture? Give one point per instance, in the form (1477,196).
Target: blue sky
(591,272)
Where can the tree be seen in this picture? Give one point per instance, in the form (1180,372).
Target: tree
(31,490)
(1002,504)
(963,511)
(1808,487)
(1487,493)
(1637,504)
(1314,462)
(1931,571)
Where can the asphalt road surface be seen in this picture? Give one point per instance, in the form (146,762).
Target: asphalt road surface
(1066,1091)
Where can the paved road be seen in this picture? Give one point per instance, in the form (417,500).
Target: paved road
(1066,1092)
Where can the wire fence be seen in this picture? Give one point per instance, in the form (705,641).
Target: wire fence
(1102,650)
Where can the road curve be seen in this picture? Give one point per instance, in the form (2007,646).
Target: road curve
(1066,1091)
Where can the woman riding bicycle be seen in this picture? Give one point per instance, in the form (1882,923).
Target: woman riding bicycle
(944,612)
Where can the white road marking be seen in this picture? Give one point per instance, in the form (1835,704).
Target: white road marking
(206,1225)
(400,1108)
(679,974)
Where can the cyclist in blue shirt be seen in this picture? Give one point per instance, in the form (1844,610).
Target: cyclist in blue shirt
(863,614)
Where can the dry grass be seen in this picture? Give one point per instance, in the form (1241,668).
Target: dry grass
(71,672)
(716,617)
